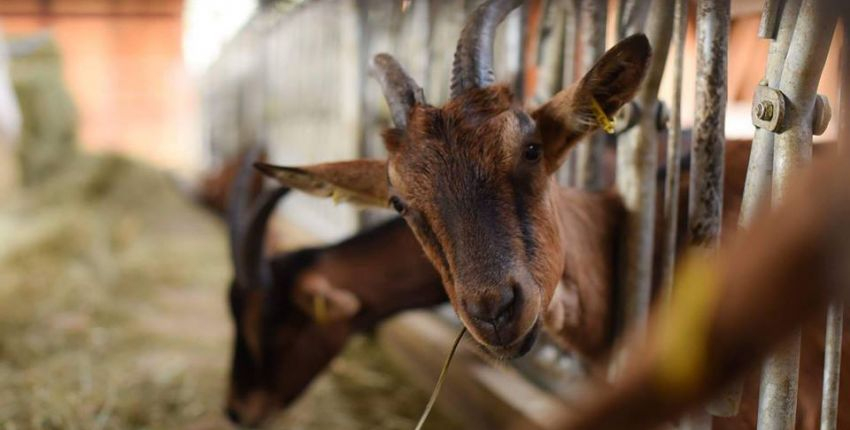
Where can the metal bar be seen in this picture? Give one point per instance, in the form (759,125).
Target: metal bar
(590,151)
(636,181)
(832,366)
(698,419)
(769,19)
(760,167)
(674,150)
(637,164)
(706,188)
(835,314)
(792,150)
(572,20)
(758,181)
(844,84)
(631,16)
(705,203)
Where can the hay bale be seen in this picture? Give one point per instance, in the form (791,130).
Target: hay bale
(49,128)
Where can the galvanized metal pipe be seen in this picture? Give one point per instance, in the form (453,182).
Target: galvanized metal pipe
(770,18)
(778,23)
(572,20)
(637,164)
(832,366)
(705,203)
(590,151)
(674,150)
(706,188)
(631,16)
(758,183)
(792,150)
(835,313)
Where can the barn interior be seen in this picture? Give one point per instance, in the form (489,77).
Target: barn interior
(121,122)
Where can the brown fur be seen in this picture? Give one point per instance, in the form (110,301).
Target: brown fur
(214,190)
(280,347)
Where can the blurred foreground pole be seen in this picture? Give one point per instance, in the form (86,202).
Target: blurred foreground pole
(705,203)
(835,313)
(590,150)
(697,345)
(792,151)
(637,165)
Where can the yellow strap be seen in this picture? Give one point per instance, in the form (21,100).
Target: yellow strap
(685,325)
(320,309)
(602,118)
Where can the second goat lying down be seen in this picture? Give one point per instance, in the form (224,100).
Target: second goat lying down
(474,181)
(294,312)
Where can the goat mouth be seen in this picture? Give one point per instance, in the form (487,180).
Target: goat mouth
(518,348)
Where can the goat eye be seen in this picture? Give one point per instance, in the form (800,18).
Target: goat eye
(396,203)
(532,152)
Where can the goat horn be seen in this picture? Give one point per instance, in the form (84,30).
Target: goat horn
(473,63)
(251,268)
(400,90)
(239,200)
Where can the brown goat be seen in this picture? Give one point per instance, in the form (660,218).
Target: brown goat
(282,340)
(474,181)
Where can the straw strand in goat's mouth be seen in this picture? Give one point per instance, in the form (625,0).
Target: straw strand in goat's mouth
(440,379)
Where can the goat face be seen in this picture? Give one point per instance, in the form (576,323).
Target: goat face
(470,181)
(279,348)
(473,179)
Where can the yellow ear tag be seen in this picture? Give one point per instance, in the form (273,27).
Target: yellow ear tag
(320,309)
(602,119)
(337,196)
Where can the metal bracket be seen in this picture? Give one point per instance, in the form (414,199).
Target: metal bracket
(627,117)
(630,114)
(768,108)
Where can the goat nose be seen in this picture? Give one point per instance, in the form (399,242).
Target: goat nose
(494,308)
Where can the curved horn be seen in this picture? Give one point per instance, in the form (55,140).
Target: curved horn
(251,270)
(400,90)
(239,199)
(247,218)
(473,63)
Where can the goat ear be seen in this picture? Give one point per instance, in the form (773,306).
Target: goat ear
(361,182)
(316,296)
(607,86)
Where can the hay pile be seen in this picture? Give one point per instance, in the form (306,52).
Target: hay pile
(112,315)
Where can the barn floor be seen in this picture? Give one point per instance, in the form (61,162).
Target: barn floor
(112,316)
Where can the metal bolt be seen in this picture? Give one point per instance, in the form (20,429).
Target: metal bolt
(821,115)
(764,111)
